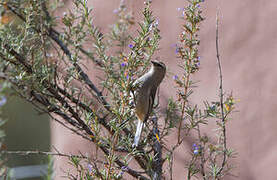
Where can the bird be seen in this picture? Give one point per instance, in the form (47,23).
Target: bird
(145,92)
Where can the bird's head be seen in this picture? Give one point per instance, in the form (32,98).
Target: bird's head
(159,69)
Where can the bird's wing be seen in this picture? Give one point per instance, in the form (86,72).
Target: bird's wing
(151,102)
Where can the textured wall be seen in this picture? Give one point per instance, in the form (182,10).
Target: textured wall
(248,46)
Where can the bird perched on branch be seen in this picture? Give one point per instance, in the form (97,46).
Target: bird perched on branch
(146,87)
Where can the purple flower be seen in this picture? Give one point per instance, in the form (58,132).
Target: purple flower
(173,45)
(175,77)
(181,9)
(115,11)
(132,103)
(156,23)
(213,107)
(90,167)
(148,39)
(147,2)
(195,149)
(124,64)
(123,169)
(127,76)
(176,48)
(198,5)
(49,55)
(3,101)
(131,46)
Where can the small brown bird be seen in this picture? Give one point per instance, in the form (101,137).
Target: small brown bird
(145,94)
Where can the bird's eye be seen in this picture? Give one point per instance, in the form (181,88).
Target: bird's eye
(160,65)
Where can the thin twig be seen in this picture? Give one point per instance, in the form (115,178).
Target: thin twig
(26,153)
(202,164)
(221,99)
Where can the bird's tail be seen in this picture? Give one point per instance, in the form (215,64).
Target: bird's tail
(138,133)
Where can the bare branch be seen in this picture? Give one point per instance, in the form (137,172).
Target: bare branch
(26,153)
(158,162)
(221,99)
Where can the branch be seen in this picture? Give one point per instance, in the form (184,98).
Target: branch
(26,153)
(85,107)
(202,157)
(221,99)
(17,56)
(98,62)
(158,162)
